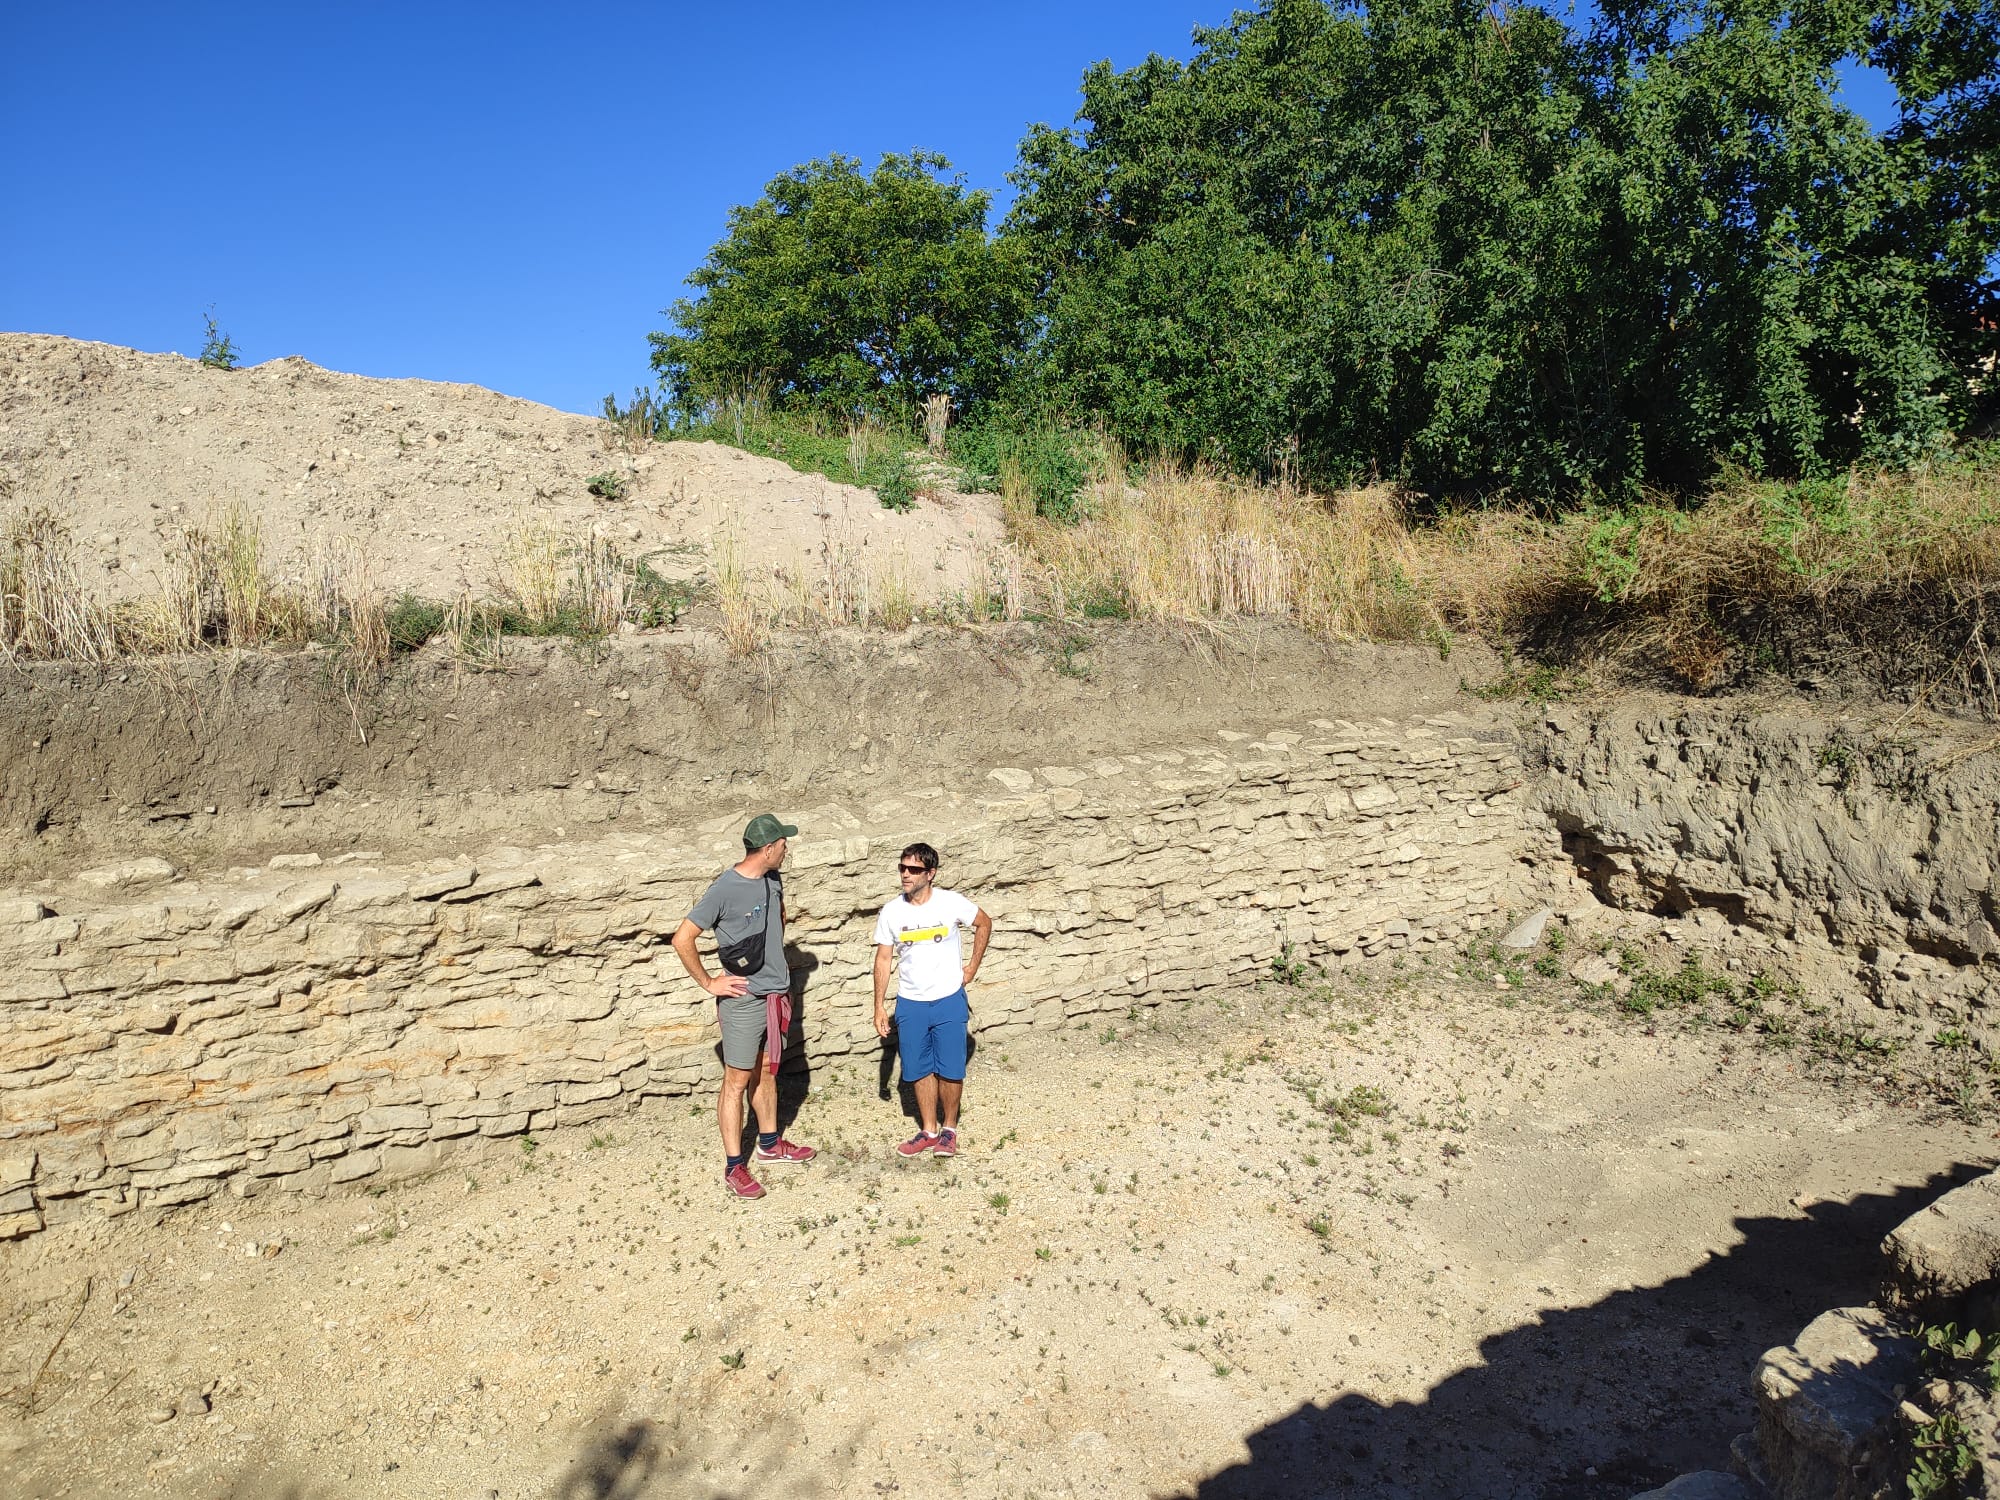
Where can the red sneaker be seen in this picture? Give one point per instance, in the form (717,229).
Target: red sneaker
(917,1144)
(786,1150)
(947,1143)
(741,1184)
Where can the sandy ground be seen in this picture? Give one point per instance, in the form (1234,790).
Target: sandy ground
(429,476)
(1181,1254)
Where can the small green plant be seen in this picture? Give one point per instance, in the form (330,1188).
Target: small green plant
(1322,1228)
(600,1142)
(1043,1252)
(999,1201)
(635,425)
(1534,683)
(218,350)
(412,622)
(1287,967)
(1839,759)
(1363,1101)
(1068,649)
(1959,1068)
(529,1146)
(607,486)
(893,481)
(1942,1459)
(732,1361)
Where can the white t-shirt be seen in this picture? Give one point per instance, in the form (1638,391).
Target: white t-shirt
(929,960)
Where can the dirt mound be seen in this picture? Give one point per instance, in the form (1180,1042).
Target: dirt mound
(429,476)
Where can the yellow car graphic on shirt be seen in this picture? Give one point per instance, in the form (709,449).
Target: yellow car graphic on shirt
(911,935)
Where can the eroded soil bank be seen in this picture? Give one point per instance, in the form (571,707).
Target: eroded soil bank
(1398,1233)
(225,760)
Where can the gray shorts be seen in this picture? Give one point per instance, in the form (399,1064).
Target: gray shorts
(742,1018)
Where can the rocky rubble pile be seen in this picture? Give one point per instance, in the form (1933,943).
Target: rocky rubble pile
(1890,1400)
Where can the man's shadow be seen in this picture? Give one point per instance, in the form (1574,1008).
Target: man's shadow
(906,1094)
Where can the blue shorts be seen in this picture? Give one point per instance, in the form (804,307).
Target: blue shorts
(930,1037)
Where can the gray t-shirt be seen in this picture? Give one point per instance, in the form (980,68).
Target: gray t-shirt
(733,909)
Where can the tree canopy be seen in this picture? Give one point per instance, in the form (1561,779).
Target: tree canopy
(1468,247)
(846,290)
(1459,244)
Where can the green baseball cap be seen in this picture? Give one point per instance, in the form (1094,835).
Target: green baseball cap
(766,829)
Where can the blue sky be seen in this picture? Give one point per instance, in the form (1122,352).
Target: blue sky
(500,193)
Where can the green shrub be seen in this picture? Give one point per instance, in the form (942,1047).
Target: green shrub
(892,481)
(607,486)
(1047,462)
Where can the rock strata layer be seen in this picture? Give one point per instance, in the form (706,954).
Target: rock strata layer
(311,1026)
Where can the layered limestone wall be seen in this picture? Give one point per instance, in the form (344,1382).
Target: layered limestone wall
(313,1025)
(1869,855)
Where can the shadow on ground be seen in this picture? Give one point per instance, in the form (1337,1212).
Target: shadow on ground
(1598,1402)
(674,1460)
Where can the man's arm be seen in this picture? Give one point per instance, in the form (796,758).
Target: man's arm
(717,985)
(884,959)
(982,931)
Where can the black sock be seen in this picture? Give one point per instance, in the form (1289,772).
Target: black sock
(734,1163)
(767,1139)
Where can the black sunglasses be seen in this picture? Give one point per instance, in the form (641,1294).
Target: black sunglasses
(913,869)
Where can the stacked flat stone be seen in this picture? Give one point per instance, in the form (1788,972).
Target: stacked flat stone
(270,1031)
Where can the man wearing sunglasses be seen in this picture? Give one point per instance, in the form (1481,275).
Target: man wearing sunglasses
(918,934)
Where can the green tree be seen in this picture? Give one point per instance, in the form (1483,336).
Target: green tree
(1464,245)
(844,290)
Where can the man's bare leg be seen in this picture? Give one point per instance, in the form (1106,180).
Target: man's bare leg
(729,1104)
(926,1089)
(764,1099)
(729,1108)
(949,1090)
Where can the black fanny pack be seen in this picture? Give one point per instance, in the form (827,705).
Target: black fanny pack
(746,955)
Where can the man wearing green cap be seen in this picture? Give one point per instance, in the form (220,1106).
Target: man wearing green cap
(745,909)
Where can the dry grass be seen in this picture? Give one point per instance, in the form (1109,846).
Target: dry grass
(746,614)
(216,590)
(45,608)
(600,584)
(1199,546)
(1655,585)
(531,571)
(1645,587)
(937,418)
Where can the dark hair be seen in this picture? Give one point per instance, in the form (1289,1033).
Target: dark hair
(923,854)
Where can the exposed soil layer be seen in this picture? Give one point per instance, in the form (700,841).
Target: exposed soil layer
(1180,1255)
(214,760)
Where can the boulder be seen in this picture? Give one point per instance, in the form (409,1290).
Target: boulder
(1828,1403)
(1946,1250)
(1527,932)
